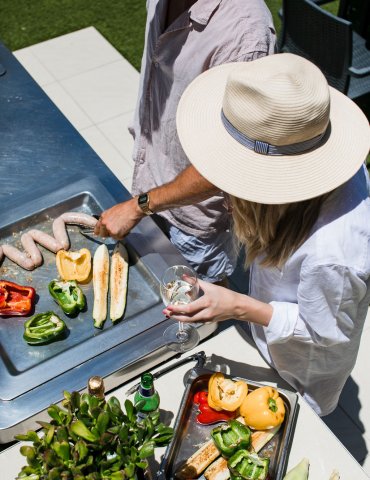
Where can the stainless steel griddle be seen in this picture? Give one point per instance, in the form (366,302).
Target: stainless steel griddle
(46,168)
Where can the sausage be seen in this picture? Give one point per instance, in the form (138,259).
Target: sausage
(60,232)
(32,256)
(78,218)
(31,249)
(18,257)
(46,240)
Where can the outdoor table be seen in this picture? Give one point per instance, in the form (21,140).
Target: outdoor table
(231,352)
(27,175)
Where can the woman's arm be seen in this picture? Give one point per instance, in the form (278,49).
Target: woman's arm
(218,304)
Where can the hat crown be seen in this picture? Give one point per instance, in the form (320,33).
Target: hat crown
(279,103)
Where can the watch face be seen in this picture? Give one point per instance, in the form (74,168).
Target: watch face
(143,199)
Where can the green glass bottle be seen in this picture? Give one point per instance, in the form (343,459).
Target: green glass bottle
(147,392)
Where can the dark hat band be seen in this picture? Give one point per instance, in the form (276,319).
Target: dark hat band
(265,148)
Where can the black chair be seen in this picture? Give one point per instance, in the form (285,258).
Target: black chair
(329,42)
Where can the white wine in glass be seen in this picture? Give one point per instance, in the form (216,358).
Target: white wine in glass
(179,286)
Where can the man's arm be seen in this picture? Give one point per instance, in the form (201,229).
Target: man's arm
(187,188)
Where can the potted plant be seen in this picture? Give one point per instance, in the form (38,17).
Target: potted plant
(92,439)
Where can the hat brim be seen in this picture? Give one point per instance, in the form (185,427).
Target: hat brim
(261,178)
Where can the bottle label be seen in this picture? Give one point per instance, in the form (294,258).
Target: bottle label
(146,392)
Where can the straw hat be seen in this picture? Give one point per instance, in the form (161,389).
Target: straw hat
(271,130)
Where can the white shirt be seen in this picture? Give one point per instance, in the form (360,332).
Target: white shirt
(320,299)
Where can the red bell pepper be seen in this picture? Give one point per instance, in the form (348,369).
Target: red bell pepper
(16,299)
(208,415)
(201,397)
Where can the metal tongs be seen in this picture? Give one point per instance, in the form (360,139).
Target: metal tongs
(200,358)
(88,232)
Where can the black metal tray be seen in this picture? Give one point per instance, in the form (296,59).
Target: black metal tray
(190,435)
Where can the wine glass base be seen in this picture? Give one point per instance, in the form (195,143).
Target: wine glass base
(181,341)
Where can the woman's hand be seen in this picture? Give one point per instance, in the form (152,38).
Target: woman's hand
(218,304)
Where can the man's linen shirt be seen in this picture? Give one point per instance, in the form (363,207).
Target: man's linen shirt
(212,32)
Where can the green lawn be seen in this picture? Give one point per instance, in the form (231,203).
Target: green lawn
(121,22)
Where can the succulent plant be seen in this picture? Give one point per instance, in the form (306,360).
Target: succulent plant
(92,439)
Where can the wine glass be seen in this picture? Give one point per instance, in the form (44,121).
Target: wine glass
(179,286)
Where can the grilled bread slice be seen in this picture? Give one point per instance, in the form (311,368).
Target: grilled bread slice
(217,470)
(199,461)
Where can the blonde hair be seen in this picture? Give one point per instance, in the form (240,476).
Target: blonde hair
(273,232)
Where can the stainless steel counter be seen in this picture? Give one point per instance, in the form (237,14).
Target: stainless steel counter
(46,168)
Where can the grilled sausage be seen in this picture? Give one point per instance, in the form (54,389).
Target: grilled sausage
(32,256)
(32,249)
(60,232)
(18,257)
(77,218)
(46,240)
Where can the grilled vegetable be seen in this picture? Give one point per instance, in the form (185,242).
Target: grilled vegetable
(225,394)
(263,408)
(208,415)
(74,265)
(299,472)
(43,328)
(68,296)
(208,453)
(244,465)
(230,437)
(218,470)
(100,284)
(15,300)
(118,282)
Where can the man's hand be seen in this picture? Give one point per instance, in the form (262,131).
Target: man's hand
(187,188)
(116,222)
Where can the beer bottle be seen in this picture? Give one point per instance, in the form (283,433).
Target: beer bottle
(149,394)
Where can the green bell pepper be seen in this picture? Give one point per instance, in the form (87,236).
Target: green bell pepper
(68,296)
(231,437)
(244,465)
(43,328)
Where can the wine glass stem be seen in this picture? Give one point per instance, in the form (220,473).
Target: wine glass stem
(182,335)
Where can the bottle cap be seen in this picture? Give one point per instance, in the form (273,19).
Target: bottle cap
(96,387)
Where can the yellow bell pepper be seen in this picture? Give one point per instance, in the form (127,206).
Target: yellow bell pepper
(225,394)
(263,408)
(74,265)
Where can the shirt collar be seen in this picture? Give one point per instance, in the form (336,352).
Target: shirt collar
(202,10)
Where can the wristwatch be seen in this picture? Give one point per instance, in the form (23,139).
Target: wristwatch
(143,202)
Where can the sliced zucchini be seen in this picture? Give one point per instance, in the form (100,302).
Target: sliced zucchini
(118,282)
(100,284)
